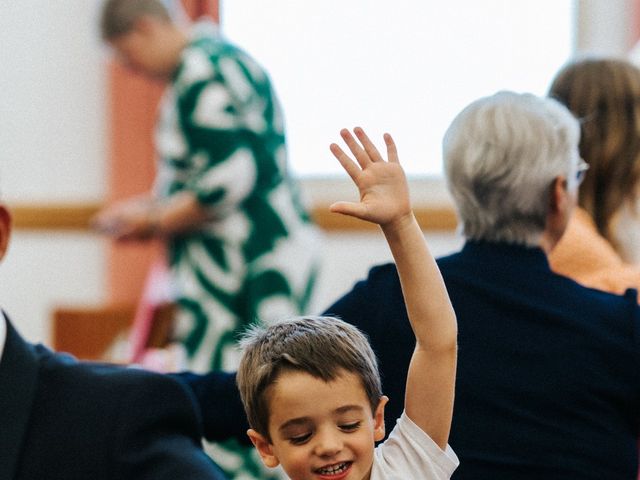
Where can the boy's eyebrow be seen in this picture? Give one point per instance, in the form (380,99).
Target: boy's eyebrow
(348,408)
(294,422)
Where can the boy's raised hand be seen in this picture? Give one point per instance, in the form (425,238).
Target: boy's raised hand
(384,194)
(384,199)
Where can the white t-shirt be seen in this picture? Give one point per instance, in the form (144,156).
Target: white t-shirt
(410,454)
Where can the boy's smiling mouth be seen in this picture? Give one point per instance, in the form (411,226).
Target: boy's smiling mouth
(337,470)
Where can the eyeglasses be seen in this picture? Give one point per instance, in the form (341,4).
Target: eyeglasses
(581,171)
(574,180)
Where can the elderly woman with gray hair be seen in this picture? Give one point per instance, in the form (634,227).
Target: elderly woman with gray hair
(504,155)
(547,383)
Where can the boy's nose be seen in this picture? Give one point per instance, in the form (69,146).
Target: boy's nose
(328,444)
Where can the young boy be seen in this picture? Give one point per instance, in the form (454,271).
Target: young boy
(310,386)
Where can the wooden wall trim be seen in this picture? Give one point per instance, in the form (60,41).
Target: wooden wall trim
(53,216)
(76,216)
(429,218)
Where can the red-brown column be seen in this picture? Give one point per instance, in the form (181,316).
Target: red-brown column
(132,104)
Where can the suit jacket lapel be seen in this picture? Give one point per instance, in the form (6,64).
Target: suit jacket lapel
(18,380)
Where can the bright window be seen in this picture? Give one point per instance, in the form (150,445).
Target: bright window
(406,67)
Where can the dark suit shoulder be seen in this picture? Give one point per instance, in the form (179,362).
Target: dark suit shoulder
(379,277)
(113,393)
(386,272)
(597,303)
(371,300)
(103,421)
(92,378)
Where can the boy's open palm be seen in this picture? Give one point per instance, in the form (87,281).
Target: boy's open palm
(384,195)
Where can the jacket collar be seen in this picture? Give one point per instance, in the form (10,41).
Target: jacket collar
(3,333)
(505,255)
(18,381)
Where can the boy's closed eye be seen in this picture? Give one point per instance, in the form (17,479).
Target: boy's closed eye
(350,427)
(300,439)
(297,432)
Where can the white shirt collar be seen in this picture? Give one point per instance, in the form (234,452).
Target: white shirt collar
(3,333)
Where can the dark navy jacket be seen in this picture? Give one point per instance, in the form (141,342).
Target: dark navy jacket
(65,420)
(548,380)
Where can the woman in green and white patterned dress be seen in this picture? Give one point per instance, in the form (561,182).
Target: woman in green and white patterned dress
(241,246)
(221,139)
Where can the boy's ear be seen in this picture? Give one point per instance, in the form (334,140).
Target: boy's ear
(378,419)
(264,447)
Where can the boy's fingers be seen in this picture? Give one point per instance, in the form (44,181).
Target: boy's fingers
(349,165)
(368,145)
(349,208)
(392,152)
(361,156)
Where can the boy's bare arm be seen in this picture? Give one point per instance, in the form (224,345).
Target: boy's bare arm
(384,199)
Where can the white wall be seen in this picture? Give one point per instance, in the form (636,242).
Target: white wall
(602,26)
(52,147)
(52,108)
(44,271)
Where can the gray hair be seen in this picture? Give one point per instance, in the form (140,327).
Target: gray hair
(501,155)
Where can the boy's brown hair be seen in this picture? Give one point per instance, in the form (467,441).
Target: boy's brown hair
(319,346)
(119,16)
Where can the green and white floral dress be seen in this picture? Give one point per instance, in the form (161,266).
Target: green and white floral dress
(221,136)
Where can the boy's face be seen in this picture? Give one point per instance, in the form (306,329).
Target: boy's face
(321,430)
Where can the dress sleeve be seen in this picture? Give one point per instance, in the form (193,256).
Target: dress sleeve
(229,124)
(156,432)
